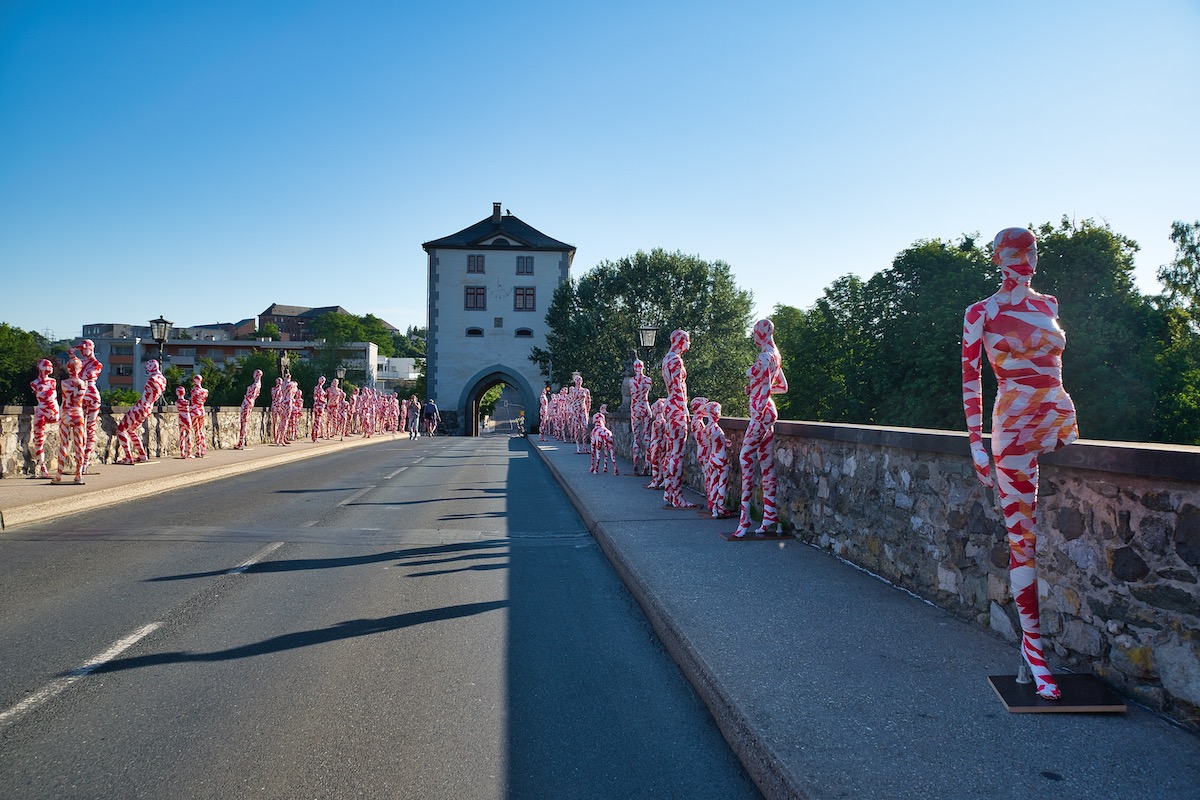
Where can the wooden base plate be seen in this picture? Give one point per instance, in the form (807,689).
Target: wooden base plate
(1081,694)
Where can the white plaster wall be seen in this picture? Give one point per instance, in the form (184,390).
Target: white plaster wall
(459,357)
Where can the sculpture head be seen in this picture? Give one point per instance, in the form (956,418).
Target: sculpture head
(680,341)
(1014,251)
(321,381)
(74,367)
(180,392)
(87,347)
(713,410)
(764,333)
(333,384)
(152,367)
(197,379)
(279,381)
(257,375)
(577,379)
(46,366)
(696,403)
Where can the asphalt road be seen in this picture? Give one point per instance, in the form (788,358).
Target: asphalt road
(412,619)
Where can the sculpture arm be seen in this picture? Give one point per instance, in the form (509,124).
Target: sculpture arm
(972,390)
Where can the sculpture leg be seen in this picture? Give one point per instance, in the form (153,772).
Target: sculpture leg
(1016,484)
(135,438)
(673,466)
(243,423)
(748,457)
(39,447)
(720,485)
(766,460)
(92,409)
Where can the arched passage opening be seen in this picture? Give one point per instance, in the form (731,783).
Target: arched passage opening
(485,379)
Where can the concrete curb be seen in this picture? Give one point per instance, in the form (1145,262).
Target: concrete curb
(46,510)
(760,761)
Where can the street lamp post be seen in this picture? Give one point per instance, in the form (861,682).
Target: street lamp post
(647,334)
(160,329)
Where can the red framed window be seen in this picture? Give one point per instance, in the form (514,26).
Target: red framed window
(524,299)
(476,298)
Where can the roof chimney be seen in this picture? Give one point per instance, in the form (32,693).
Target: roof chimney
(496,213)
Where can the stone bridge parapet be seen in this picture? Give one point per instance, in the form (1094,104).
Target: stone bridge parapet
(1118,540)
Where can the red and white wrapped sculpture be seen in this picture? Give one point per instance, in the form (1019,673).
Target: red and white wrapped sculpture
(129,440)
(72,424)
(46,413)
(640,418)
(1033,414)
(764,379)
(198,416)
(183,407)
(676,421)
(252,392)
(89,372)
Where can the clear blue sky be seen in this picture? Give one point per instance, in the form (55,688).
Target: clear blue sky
(202,160)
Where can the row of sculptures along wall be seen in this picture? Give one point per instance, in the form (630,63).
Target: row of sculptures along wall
(1119,531)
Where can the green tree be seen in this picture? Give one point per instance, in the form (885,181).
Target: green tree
(487,402)
(593,322)
(219,383)
(916,310)
(410,344)
(268,331)
(119,397)
(1177,412)
(175,377)
(1114,334)
(373,329)
(20,351)
(828,353)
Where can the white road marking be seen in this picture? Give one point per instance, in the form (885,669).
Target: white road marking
(60,685)
(254,559)
(356,495)
(309,524)
(394,474)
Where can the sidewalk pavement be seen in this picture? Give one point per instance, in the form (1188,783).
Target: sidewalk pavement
(831,683)
(24,501)
(826,681)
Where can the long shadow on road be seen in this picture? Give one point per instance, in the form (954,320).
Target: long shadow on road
(596,707)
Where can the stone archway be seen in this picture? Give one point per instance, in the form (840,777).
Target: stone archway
(486,378)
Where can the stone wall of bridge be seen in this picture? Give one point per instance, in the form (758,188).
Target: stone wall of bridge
(160,433)
(1118,543)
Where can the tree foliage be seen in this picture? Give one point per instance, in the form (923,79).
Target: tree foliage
(337,328)
(20,351)
(594,319)
(886,351)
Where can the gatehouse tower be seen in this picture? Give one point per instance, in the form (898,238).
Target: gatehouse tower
(490,285)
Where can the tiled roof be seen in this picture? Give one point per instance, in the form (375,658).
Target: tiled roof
(519,234)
